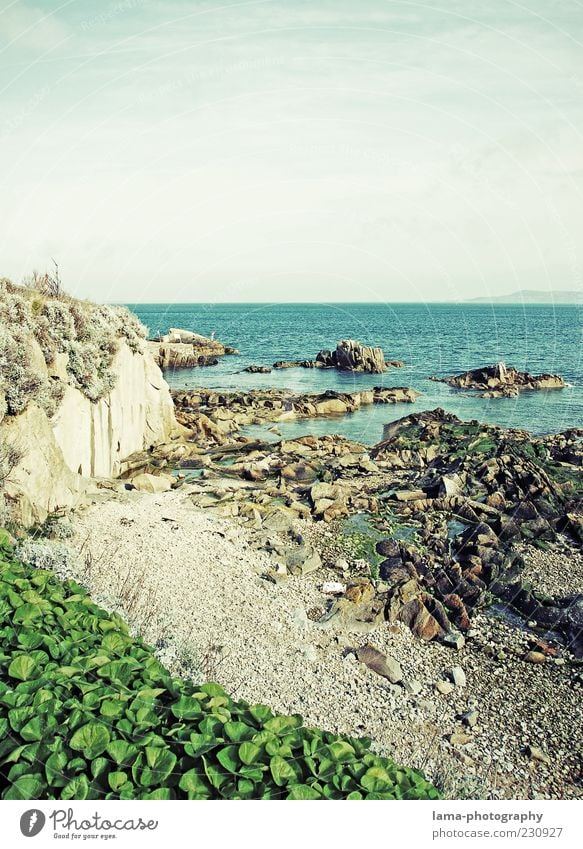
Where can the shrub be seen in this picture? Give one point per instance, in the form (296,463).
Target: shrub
(89,334)
(88,712)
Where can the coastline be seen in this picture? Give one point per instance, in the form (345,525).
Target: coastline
(200,580)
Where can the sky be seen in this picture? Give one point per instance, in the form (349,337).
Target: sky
(293,150)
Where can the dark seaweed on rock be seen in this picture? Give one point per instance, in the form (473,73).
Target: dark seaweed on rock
(503,486)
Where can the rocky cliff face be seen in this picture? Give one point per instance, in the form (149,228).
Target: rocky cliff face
(60,446)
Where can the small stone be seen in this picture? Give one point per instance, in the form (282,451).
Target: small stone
(310,652)
(559,661)
(382,664)
(459,739)
(455,640)
(458,676)
(535,657)
(444,687)
(470,718)
(537,754)
(412,686)
(299,618)
(333,588)
(342,565)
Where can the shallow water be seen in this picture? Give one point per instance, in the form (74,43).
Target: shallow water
(432,339)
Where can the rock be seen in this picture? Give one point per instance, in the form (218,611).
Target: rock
(537,754)
(535,657)
(258,369)
(410,495)
(304,560)
(352,356)
(383,665)
(279,519)
(455,640)
(450,485)
(302,472)
(499,381)
(444,687)
(331,406)
(325,491)
(421,621)
(470,718)
(459,739)
(310,652)
(412,686)
(152,483)
(333,588)
(299,618)
(458,676)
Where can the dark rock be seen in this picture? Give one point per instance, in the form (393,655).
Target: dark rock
(380,663)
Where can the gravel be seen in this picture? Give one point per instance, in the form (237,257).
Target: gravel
(191,585)
(556,573)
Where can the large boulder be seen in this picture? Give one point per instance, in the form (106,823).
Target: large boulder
(351,355)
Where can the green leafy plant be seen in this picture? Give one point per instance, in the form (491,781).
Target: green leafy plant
(88,712)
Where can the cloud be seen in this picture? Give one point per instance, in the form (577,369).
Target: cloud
(27,27)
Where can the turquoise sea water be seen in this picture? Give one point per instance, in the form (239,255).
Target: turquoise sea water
(432,339)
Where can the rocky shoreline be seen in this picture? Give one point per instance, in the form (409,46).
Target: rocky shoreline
(215,416)
(208,598)
(425,579)
(443,504)
(425,591)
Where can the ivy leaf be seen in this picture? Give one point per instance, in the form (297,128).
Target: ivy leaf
(159,765)
(282,771)
(23,668)
(193,782)
(91,739)
(76,788)
(28,786)
(228,758)
(116,779)
(249,752)
(303,792)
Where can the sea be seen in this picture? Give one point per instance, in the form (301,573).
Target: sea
(431,339)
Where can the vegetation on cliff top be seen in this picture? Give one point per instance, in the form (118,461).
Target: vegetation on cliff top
(88,335)
(88,712)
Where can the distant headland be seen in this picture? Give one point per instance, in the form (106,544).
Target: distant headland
(533,296)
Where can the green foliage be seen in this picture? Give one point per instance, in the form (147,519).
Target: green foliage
(88,712)
(87,334)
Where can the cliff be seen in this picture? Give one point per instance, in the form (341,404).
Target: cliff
(79,393)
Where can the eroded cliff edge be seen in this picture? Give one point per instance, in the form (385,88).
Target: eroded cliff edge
(79,392)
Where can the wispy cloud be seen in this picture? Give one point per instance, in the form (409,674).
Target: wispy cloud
(31,28)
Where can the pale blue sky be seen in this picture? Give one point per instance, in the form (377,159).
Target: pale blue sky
(264,150)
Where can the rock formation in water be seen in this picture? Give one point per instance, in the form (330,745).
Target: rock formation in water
(185,349)
(499,381)
(349,355)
